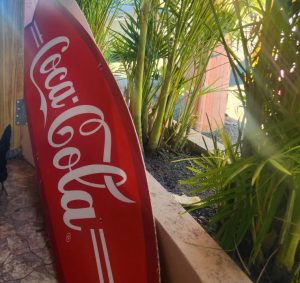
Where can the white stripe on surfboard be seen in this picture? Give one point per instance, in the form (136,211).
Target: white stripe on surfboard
(35,37)
(97,257)
(38,32)
(106,256)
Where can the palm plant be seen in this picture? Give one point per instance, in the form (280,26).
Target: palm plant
(100,15)
(256,181)
(174,40)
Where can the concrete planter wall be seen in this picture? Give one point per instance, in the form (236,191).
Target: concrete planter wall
(188,253)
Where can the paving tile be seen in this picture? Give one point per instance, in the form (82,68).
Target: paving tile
(17,245)
(20,266)
(6,229)
(25,255)
(50,269)
(36,238)
(39,275)
(5,251)
(45,255)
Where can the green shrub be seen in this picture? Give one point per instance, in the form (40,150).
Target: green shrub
(257,180)
(171,41)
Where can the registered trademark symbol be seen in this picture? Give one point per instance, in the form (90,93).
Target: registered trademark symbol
(68,237)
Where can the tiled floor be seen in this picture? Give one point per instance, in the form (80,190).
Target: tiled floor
(25,255)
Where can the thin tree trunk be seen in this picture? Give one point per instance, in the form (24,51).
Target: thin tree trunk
(156,131)
(158,123)
(137,97)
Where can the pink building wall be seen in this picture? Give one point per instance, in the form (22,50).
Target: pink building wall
(214,104)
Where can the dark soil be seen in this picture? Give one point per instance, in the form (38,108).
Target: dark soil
(168,170)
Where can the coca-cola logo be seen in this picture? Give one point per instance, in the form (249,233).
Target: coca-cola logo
(57,92)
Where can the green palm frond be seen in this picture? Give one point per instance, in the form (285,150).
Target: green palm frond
(256,181)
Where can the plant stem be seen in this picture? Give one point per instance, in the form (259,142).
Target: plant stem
(287,252)
(155,134)
(156,131)
(137,96)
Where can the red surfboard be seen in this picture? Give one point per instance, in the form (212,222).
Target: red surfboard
(91,172)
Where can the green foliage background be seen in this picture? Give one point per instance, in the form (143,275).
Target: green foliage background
(257,180)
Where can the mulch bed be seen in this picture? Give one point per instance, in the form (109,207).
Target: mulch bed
(168,168)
